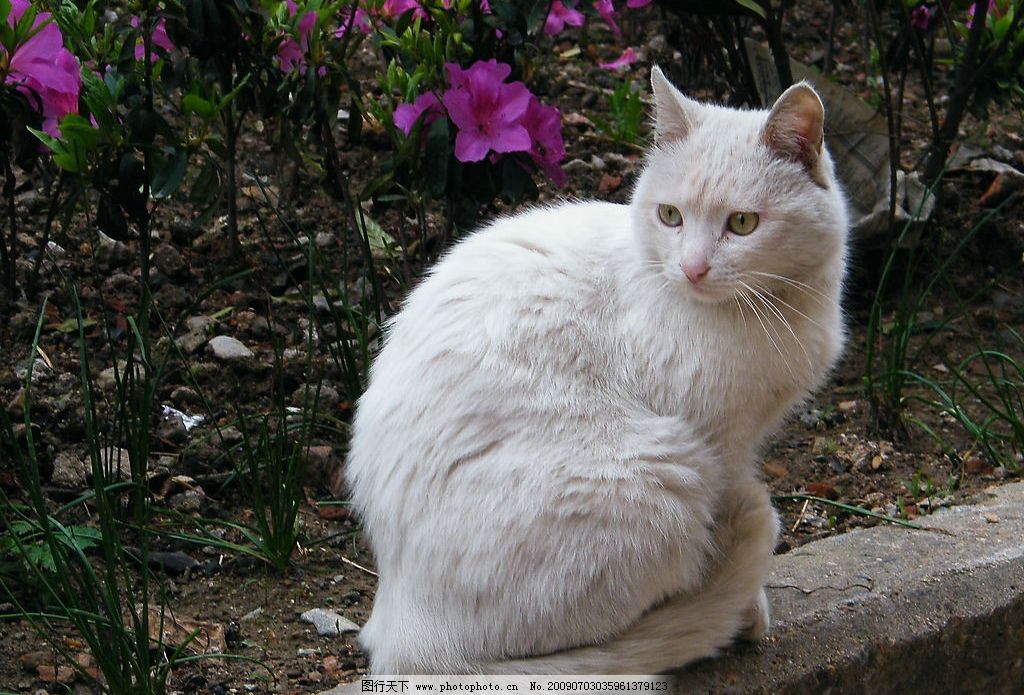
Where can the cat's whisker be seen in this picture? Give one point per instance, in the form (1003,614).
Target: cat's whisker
(760,320)
(739,310)
(764,298)
(812,292)
(789,306)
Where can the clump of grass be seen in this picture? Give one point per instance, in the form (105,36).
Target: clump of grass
(626,114)
(985,396)
(95,595)
(888,357)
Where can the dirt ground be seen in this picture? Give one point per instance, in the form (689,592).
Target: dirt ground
(830,449)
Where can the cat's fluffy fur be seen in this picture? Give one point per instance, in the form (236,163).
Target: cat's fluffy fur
(555,458)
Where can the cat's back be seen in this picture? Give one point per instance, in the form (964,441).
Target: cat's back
(521,275)
(504,324)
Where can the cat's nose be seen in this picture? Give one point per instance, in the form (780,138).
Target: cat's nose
(695,271)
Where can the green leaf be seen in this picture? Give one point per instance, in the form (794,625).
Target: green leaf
(380,241)
(435,157)
(71,325)
(168,178)
(751,6)
(75,128)
(193,103)
(68,159)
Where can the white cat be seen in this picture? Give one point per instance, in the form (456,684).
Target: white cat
(555,458)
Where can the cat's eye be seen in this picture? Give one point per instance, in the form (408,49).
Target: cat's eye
(743,223)
(670,215)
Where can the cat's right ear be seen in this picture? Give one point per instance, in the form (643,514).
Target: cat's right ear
(675,115)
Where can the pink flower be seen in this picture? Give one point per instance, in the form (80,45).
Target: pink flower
(921,17)
(636,4)
(361,22)
(158,38)
(627,58)
(606,9)
(485,6)
(486,111)
(291,54)
(559,16)
(544,124)
(993,11)
(406,115)
(43,70)
(392,9)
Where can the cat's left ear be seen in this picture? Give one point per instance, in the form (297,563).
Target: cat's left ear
(796,127)
(675,115)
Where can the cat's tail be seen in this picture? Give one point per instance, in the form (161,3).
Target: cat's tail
(685,628)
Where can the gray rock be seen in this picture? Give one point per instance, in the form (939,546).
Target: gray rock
(621,161)
(251,615)
(171,296)
(199,324)
(172,562)
(229,349)
(172,427)
(327,399)
(105,380)
(323,239)
(809,417)
(70,471)
(187,501)
(190,342)
(328,623)
(597,163)
(658,43)
(183,395)
(40,372)
(110,252)
(116,461)
(169,261)
(230,435)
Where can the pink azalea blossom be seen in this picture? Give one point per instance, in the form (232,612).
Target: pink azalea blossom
(635,4)
(426,105)
(291,54)
(921,17)
(606,9)
(485,6)
(544,124)
(43,70)
(627,58)
(560,16)
(158,38)
(486,111)
(993,11)
(361,22)
(393,9)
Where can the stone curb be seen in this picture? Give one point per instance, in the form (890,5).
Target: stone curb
(893,610)
(890,610)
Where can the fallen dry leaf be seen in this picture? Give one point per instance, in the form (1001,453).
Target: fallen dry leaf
(334,513)
(976,466)
(63,674)
(826,490)
(609,183)
(776,470)
(991,518)
(209,636)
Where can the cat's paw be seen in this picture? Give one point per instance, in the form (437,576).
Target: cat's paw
(757,619)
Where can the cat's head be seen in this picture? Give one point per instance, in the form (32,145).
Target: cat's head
(731,200)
